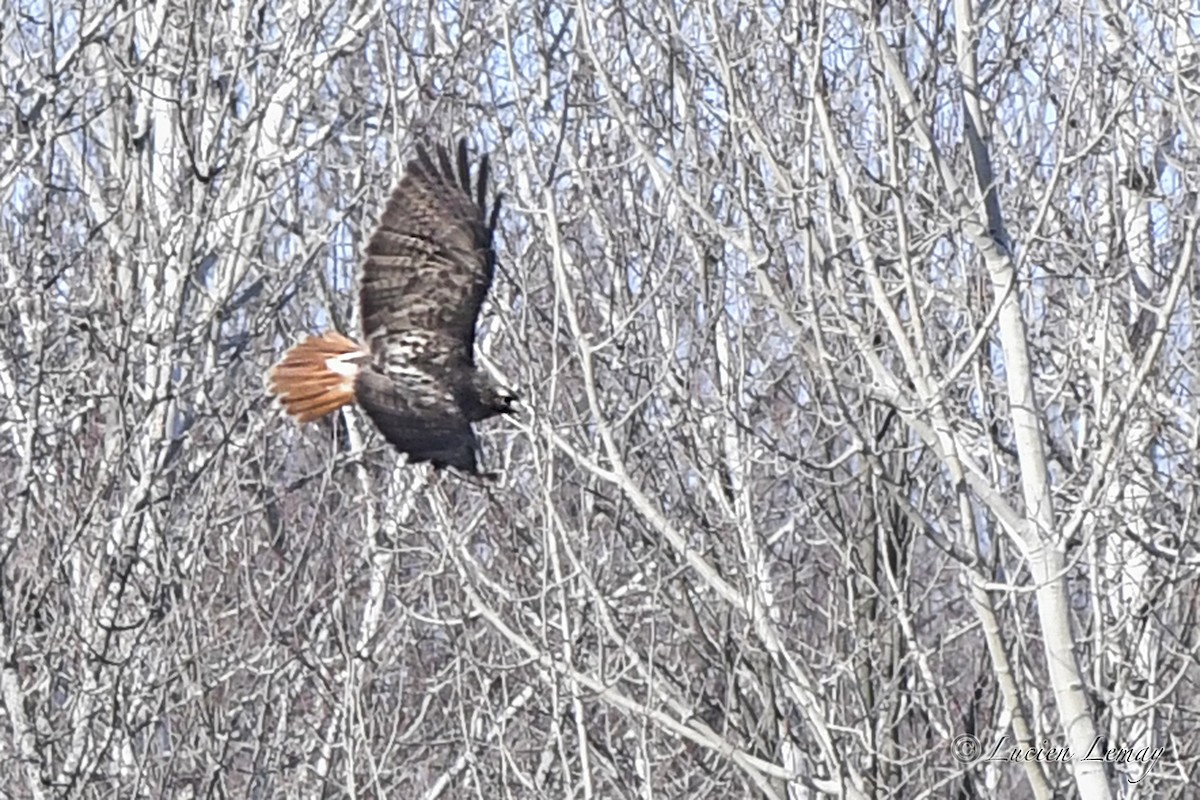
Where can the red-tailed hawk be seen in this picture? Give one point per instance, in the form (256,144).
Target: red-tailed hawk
(428,266)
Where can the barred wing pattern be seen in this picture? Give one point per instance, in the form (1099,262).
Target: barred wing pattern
(429,263)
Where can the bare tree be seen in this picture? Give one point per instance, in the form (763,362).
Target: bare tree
(857,450)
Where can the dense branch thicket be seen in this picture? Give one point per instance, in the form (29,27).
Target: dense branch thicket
(856,346)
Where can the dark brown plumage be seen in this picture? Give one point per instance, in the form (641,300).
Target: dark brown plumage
(428,267)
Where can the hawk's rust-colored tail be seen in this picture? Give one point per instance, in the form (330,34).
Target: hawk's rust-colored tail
(317,376)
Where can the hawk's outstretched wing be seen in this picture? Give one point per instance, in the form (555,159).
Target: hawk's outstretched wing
(429,264)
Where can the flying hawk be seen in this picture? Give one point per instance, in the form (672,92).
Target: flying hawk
(427,268)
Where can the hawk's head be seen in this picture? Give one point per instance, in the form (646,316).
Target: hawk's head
(486,398)
(498,399)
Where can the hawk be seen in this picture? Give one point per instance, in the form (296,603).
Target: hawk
(427,268)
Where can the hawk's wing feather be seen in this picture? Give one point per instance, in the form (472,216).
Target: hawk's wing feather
(418,417)
(429,263)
